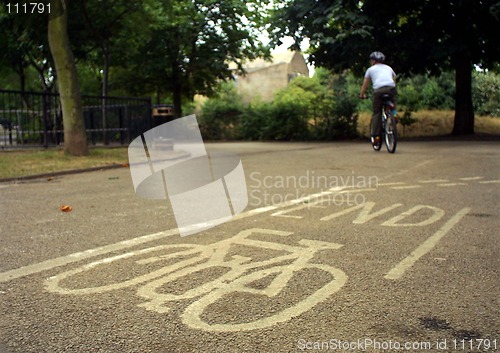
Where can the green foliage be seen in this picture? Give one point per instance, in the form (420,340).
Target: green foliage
(221,114)
(106,38)
(170,49)
(343,32)
(438,92)
(417,37)
(432,96)
(486,93)
(409,96)
(254,124)
(90,79)
(419,92)
(191,44)
(287,121)
(224,117)
(426,92)
(292,109)
(344,115)
(24,52)
(320,108)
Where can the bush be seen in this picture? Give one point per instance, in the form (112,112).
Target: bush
(323,107)
(254,123)
(486,93)
(287,121)
(344,112)
(281,120)
(427,92)
(292,109)
(221,115)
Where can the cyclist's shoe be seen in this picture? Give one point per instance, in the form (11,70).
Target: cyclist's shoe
(376,142)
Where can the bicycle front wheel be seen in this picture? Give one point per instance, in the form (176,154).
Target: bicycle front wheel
(391,133)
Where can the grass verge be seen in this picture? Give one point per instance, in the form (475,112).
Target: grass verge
(20,163)
(433,123)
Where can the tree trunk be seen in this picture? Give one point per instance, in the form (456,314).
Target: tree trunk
(22,78)
(177,101)
(105,91)
(75,140)
(464,111)
(158,99)
(22,82)
(177,91)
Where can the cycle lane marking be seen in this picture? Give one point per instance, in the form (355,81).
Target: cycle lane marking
(398,271)
(432,181)
(392,184)
(192,314)
(438,213)
(452,184)
(81,255)
(238,279)
(406,187)
(489,182)
(471,178)
(242,273)
(364,215)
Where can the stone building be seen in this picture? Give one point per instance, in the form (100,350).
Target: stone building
(262,78)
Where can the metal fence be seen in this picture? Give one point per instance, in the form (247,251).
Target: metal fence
(35,119)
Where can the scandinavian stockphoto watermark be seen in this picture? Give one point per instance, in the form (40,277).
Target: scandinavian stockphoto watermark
(207,189)
(334,190)
(170,161)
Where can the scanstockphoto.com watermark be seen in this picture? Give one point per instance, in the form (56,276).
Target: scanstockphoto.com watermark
(336,190)
(370,344)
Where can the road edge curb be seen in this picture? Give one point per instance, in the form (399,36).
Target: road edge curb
(63,172)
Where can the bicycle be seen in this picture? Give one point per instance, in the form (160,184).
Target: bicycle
(188,263)
(389,129)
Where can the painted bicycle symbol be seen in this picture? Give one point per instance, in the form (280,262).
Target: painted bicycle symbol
(187,260)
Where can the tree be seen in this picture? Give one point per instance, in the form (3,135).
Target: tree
(416,35)
(24,49)
(192,43)
(75,141)
(110,33)
(12,49)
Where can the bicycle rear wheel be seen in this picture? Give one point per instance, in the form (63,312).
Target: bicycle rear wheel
(391,133)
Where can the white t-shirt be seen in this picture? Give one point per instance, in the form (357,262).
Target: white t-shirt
(381,75)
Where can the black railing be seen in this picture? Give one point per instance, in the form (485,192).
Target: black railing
(31,119)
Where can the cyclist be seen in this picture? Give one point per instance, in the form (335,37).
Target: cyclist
(383,81)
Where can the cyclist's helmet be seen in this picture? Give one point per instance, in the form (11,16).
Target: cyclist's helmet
(377,56)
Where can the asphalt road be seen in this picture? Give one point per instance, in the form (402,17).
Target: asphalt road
(340,249)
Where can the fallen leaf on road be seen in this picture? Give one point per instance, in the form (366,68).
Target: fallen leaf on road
(66,208)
